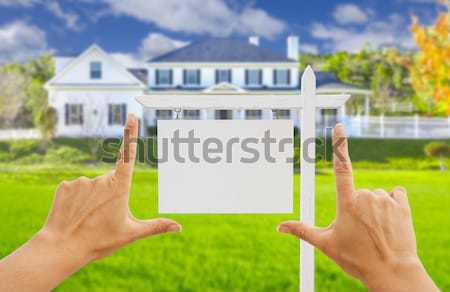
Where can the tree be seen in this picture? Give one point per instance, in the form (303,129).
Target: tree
(380,70)
(430,70)
(44,117)
(13,84)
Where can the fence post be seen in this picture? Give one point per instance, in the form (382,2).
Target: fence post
(448,122)
(416,126)
(382,125)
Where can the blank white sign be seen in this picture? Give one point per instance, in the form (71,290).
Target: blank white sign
(228,168)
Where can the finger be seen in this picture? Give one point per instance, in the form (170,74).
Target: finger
(146,228)
(342,166)
(125,163)
(310,234)
(381,193)
(400,195)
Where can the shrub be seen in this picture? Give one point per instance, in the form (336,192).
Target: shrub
(22,148)
(440,150)
(33,158)
(66,154)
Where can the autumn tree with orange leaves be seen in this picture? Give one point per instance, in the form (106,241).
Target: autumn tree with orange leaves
(430,69)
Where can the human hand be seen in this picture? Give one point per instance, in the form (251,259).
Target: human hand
(94,216)
(89,219)
(372,237)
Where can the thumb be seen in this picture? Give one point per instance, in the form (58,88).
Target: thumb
(146,228)
(308,233)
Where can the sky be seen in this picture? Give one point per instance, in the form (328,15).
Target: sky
(136,30)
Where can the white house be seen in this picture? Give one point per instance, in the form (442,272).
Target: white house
(93,93)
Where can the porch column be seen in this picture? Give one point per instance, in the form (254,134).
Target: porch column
(203,114)
(366,105)
(267,115)
(341,112)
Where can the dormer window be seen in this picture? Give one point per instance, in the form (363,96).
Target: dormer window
(191,77)
(96,70)
(223,76)
(163,77)
(253,78)
(281,77)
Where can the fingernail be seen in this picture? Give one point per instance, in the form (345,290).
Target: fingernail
(174,228)
(283,229)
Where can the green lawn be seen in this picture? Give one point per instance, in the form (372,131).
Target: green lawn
(223,253)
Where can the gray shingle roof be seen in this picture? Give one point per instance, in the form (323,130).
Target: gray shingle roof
(221,50)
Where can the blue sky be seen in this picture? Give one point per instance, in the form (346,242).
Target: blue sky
(135,30)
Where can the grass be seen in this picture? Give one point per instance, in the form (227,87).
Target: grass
(220,252)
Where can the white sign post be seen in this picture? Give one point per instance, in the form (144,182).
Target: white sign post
(307,103)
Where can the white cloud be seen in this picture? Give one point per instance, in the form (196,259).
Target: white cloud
(21,41)
(349,13)
(156,44)
(391,32)
(151,46)
(214,17)
(128,60)
(70,19)
(309,48)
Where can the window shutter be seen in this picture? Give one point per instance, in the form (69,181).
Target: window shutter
(170,77)
(246,77)
(229,76)
(67,114)
(184,76)
(260,77)
(289,77)
(275,81)
(199,77)
(81,114)
(124,113)
(217,76)
(157,77)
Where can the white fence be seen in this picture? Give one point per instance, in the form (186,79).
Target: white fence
(414,127)
(15,134)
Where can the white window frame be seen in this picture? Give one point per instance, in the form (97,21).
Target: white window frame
(163,114)
(117,114)
(191,114)
(249,82)
(74,115)
(93,71)
(157,76)
(254,114)
(276,79)
(198,77)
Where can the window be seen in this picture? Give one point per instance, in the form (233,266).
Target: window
(224,115)
(117,114)
(191,114)
(163,77)
(253,77)
(223,76)
(74,114)
(191,77)
(281,114)
(96,70)
(281,77)
(253,114)
(163,114)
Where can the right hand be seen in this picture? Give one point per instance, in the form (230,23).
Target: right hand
(372,237)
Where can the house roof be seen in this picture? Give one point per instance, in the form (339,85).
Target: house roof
(220,50)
